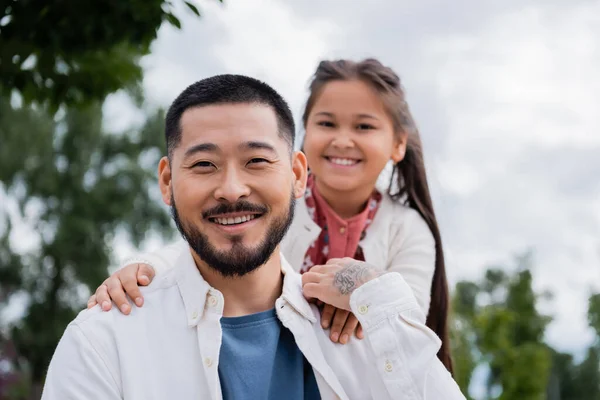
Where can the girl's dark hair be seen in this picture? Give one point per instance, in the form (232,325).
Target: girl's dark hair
(411,186)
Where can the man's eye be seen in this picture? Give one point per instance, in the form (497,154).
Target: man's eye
(203,164)
(258,161)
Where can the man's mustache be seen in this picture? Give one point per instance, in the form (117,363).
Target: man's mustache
(239,206)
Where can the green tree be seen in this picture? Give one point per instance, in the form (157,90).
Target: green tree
(581,381)
(594,315)
(496,323)
(463,338)
(510,331)
(563,383)
(71,51)
(77,185)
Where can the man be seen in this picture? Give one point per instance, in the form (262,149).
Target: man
(231,320)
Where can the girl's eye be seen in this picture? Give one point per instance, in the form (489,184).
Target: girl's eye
(326,124)
(364,127)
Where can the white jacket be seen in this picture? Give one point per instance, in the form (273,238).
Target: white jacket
(398,240)
(169,349)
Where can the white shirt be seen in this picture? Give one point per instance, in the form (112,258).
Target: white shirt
(169,349)
(398,240)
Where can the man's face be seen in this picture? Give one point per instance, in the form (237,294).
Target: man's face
(231,185)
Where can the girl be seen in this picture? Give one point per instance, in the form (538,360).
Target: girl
(356,121)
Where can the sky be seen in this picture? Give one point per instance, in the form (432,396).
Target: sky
(506,96)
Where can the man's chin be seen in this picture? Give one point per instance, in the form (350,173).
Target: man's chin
(230,243)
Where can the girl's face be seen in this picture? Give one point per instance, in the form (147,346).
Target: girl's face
(350,137)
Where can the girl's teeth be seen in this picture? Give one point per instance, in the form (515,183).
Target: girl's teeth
(343,161)
(234,220)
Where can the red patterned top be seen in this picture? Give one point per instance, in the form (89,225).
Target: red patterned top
(339,237)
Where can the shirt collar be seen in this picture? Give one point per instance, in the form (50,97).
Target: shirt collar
(192,286)
(195,290)
(292,291)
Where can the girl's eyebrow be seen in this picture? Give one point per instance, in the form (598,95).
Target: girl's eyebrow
(330,115)
(325,114)
(368,116)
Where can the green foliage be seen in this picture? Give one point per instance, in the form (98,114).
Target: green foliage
(463,339)
(594,313)
(77,186)
(496,323)
(72,52)
(571,381)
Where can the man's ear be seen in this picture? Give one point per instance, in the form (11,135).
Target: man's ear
(300,170)
(164,180)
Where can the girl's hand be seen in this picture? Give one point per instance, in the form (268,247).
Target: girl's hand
(334,282)
(124,281)
(343,324)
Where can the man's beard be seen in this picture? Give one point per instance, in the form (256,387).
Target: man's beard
(239,260)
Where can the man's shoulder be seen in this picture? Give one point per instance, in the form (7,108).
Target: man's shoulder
(155,294)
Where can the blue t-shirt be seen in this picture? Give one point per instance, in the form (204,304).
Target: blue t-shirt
(259,359)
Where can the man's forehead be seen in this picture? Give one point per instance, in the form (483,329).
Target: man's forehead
(233,126)
(229,116)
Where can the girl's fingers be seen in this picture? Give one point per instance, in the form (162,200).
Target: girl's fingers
(327,315)
(359,332)
(103,298)
(92,301)
(339,320)
(130,279)
(117,294)
(145,274)
(349,329)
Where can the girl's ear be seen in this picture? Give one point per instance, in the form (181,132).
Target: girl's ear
(399,149)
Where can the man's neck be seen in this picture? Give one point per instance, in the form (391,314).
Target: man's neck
(249,294)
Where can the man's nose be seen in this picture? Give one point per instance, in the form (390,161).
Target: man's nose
(232,187)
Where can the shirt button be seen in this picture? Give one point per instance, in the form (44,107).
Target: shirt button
(342,230)
(212,301)
(388,366)
(195,314)
(363,309)
(208,362)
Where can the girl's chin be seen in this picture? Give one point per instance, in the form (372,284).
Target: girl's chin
(342,184)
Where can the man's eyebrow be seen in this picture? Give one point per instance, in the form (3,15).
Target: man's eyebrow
(255,145)
(202,147)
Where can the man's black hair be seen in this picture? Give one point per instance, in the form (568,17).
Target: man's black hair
(228,89)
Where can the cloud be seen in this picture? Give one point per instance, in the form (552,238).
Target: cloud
(263,39)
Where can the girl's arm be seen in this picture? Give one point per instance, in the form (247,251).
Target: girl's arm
(412,254)
(138,270)
(401,346)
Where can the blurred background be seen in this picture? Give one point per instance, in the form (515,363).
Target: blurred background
(506,96)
